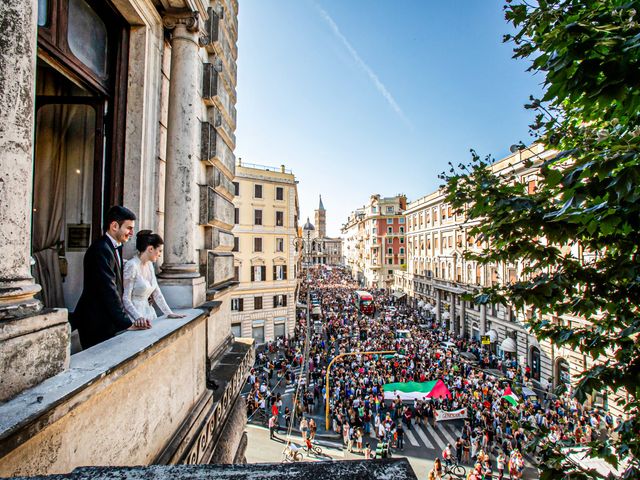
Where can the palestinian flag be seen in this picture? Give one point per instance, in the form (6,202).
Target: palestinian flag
(416,390)
(510,397)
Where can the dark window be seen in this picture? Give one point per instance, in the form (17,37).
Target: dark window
(279,219)
(257,191)
(258,273)
(279,301)
(279,193)
(257,244)
(237,304)
(257,217)
(236,274)
(236,216)
(236,188)
(279,244)
(236,244)
(257,303)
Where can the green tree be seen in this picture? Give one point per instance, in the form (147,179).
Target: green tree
(588,197)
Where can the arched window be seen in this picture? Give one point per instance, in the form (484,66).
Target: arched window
(534,363)
(563,372)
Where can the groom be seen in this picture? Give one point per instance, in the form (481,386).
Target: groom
(100,314)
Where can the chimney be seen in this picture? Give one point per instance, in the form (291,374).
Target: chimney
(282,168)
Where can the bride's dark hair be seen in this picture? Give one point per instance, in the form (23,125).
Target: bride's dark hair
(144,238)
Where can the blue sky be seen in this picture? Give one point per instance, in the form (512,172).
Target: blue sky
(369,96)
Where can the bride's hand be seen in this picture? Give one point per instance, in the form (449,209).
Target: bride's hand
(176,315)
(140,324)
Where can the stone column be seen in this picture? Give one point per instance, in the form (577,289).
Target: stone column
(452,316)
(17,80)
(34,345)
(438,302)
(463,312)
(182,284)
(483,319)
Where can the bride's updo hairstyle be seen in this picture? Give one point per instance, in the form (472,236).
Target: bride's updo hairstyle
(146,238)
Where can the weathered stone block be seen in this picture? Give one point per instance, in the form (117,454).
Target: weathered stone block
(32,349)
(217,239)
(214,207)
(217,267)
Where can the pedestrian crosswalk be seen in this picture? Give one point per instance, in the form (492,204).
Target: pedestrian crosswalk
(434,438)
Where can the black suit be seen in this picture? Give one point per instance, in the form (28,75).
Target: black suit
(100,313)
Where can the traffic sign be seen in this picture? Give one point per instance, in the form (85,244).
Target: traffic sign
(486,340)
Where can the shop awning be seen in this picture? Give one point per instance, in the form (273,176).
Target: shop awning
(399,295)
(508,345)
(493,335)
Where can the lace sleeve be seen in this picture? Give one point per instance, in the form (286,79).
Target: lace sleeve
(157,295)
(129,279)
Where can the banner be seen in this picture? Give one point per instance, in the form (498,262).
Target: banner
(442,415)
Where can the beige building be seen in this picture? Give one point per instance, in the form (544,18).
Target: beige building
(265,253)
(375,241)
(128,102)
(437,275)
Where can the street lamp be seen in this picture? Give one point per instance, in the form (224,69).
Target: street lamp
(329,369)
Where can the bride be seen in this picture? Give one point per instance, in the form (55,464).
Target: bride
(140,282)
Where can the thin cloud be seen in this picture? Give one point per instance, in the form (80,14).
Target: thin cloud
(361,63)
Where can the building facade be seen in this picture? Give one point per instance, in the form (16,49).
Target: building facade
(322,250)
(375,241)
(128,102)
(266,257)
(438,275)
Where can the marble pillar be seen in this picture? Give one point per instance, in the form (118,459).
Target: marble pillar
(17,80)
(180,278)
(34,344)
(452,317)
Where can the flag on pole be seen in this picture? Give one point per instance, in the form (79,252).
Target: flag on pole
(510,397)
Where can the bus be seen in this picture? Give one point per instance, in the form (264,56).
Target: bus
(364,302)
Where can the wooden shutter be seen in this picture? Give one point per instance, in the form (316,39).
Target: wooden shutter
(275,301)
(240,304)
(253,273)
(284,300)
(284,272)
(275,271)
(264,273)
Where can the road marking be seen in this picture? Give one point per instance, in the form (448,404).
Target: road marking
(411,438)
(446,433)
(424,438)
(437,439)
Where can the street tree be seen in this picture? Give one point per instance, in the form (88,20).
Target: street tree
(577,235)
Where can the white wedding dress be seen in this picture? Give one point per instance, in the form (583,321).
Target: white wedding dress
(140,284)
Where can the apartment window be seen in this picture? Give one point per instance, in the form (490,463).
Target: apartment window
(257,244)
(237,304)
(258,273)
(257,191)
(279,301)
(389,220)
(236,274)
(374,231)
(374,209)
(236,216)
(279,219)
(390,272)
(236,329)
(389,229)
(401,220)
(401,239)
(390,251)
(531,187)
(390,261)
(401,229)
(236,188)
(257,217)
(389,209)
(236,244)
(401,251)
(279,272)
(279,244)
(257,303)
(279,193)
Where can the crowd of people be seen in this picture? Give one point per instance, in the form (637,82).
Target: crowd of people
(493,435)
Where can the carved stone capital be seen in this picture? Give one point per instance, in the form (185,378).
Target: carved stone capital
(191,21)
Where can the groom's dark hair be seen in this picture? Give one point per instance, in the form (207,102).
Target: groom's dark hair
(118,214)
